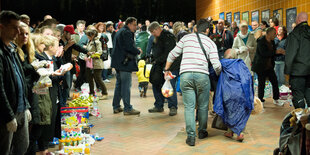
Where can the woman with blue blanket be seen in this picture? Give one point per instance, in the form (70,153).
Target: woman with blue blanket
(234,97)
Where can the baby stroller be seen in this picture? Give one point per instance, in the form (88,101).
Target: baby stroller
(293,139)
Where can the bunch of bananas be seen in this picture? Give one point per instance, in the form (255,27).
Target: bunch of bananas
(82,102)
(95,56)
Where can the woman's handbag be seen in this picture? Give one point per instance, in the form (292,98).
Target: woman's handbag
(218,123)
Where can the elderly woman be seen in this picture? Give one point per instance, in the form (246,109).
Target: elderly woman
(244,44)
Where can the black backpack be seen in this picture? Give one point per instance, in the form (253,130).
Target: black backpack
(105,54)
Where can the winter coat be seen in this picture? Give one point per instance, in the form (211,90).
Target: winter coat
(95,46)
(8,84)
(143,76)
(31,76)
(244,51)
(141,41)
(161,48)
(124,48)
(297,57)
(264,57)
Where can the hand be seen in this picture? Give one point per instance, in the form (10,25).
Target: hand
(304,119)
(140,50)
(12,126)
(28,114)
(57,73)
(74,57)
(60,51)
(167,74)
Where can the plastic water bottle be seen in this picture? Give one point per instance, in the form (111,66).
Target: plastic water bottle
(95,108)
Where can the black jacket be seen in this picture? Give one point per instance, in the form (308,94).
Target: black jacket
(31,76)
(297,58)
(161,49)
(67,57)
(263,56)
(8,85)
(124,46)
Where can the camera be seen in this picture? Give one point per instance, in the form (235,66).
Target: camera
(127,59)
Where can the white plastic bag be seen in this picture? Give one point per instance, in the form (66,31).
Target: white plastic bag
(167,89)
(41,87)
(107,63)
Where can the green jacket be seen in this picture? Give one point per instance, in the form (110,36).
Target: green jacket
(141,41)
(297,56)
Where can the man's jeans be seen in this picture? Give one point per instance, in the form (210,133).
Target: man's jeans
(279,69)
(160,99)
(17,142)
(122,90)
(195,87)
(300,86)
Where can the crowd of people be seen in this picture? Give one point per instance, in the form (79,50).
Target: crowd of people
(191,53)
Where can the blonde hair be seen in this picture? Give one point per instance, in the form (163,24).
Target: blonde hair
(49,41)
(37,40)
(177,27)
(29,46)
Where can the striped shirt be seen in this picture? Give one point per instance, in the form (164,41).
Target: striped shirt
(193,59)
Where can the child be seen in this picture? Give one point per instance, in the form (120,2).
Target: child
(143,78)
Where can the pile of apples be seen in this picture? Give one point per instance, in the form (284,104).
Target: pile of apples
(167,92)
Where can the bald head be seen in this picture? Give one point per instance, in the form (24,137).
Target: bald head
(301,17)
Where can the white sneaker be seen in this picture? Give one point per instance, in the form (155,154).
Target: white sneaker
(106,81)
(278,103)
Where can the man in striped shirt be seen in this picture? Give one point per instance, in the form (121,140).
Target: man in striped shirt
(195,82)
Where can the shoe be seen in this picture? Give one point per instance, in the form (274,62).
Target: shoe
(132,112)
(277,103)
(144,95)
(240,138)
(153,110)
(202,134)
(190,141)
(141,93)
(106,81)
(229,134)
(103,97)
(118,110)
(173,111)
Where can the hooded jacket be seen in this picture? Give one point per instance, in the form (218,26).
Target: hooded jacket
(143,76)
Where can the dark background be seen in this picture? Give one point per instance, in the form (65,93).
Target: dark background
(69,11)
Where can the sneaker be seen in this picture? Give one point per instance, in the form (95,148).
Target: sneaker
(153,110)
(229,134)
(190,141)
(277,103)
(132,112)
(103,97)
(173,111)
(240,138)
(141,93)
(118,110)
(106,81)
(202,134)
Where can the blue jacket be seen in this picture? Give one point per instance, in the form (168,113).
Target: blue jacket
(124,46)
(234,95)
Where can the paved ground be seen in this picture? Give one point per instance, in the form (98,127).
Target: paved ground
(162,134)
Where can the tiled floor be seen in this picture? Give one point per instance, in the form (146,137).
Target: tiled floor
(162,134)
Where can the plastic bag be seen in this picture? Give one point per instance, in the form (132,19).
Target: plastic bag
(40,64)
(66,67)
(107,63)
(89,63)
(167,89)
(41,87)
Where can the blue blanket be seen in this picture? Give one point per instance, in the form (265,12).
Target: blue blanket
(235,94)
